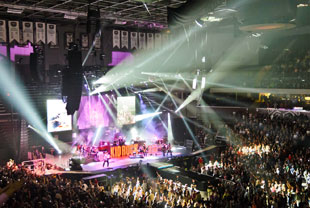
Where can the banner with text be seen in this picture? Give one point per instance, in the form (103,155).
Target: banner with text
(142,41)
(97,41)
(84,40)
(134,40)
(51,34)
(40,32)
(157,40)
(164,39)
(125,39)
(116,39)
(14,31)
(150,41)
(27,32)
(2,31)
(68,39)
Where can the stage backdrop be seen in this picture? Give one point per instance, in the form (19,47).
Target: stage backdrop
(93,113)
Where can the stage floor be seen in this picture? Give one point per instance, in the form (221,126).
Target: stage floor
(115,163)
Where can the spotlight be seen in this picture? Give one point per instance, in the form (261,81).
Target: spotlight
(203,60)
(203,83)
(194,83)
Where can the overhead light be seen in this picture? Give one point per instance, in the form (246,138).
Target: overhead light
(198,23)
(194,83)
(302,5)
(119,22)
(203,60)
(256,35)
(14,11)
(203,83)
(70,16)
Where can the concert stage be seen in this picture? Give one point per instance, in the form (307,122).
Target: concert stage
(115,163)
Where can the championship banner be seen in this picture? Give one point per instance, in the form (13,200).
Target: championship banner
(157,40)
(116,39)
(150,41)
(27,32)
(97,41)
(142,41)
(134,40)
(68,39)
(40,32)
(125,39)
(2,31)
(164,38)
(84,40)
(14,31)
(51,34)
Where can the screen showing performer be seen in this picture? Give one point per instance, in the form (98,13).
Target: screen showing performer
(126,110)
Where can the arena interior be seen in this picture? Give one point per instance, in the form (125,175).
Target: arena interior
(154,103)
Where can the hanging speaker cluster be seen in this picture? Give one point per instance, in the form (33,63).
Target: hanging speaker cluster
(72,81)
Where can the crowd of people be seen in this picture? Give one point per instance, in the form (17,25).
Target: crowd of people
(22,188)
(292,70)
(266,164)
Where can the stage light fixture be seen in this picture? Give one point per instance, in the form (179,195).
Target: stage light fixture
(203,82)
(70,16)
(194,83)
(199,23)
(14,11)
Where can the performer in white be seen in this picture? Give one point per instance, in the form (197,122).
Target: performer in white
(106,159)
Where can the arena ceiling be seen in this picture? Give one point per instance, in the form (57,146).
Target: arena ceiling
(154,11)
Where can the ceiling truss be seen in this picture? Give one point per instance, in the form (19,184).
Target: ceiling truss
(123,10)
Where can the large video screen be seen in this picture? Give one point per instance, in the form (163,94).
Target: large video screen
(94,112)
(126,110)
(57,118)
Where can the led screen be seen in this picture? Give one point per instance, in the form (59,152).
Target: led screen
(126,110)
(57,118)
(93,112)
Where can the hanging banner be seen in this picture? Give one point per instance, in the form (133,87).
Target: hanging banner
(125,39)
(164,38)
(84,41)
(150,41)
(68,39)
(134,40)
(27,32)
(14,31)
(97,41)
(157,40)
(116,39)
(2,31)
(142,41)
(51,34)
(40,32)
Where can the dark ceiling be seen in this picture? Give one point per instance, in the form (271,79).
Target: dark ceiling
(152,11)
